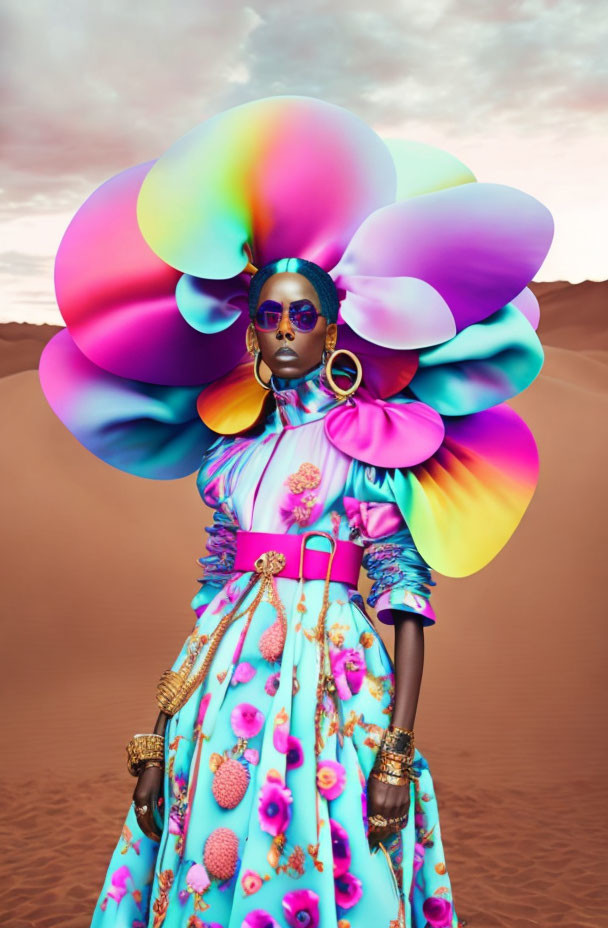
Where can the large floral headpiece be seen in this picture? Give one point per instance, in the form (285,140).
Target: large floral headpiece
(433,266)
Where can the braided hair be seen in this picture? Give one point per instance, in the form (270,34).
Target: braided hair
(320,279)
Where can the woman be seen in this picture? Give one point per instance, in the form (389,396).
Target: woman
(281,784)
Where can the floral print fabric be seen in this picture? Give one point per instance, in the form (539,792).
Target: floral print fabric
(265,818)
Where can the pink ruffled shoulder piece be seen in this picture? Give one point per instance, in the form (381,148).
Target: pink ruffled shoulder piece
(382,433)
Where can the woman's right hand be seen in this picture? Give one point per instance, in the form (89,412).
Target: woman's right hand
(147,795)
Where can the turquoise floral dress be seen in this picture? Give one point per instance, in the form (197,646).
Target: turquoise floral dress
(265,821)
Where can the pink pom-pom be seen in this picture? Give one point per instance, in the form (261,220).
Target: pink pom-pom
(221,853)
(272,642)
(230,783)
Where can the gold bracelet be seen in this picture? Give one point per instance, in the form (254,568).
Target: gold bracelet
(143,747)
(400,740)
(392,780)
(169,691)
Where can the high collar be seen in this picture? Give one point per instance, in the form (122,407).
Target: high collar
(302,399)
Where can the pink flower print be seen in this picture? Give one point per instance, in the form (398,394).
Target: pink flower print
(197,879)
(202,709)
(419,853)
(295,753)
(272,683)
(280,737)
(259,918)
(251,882)
(243,673)
(349,890)
(331,778)
(364,810)
(348,670)
(118,889)
(340,847)
(252,756)
(274,804)
(301,908)
(175,821)
(437,911)
(246,720)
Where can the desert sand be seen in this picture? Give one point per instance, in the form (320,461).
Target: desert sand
(98,569)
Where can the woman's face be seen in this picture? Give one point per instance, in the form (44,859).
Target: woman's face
(285,349)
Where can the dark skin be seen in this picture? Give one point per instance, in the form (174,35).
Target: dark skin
(303,354)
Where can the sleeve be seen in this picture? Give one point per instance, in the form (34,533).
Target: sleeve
(400,576)
(217,567)
(218,563)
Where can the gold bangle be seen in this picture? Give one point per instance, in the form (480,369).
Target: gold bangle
(169,691)
(144,747)
(391,779)
(400,740)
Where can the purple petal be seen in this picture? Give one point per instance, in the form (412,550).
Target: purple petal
(385,372)
(397,312)
(478,245)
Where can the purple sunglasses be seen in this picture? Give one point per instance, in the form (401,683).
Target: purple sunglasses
(303,315)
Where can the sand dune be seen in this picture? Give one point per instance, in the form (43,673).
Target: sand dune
(98,569)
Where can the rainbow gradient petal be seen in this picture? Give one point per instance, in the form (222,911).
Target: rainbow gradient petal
(290,176)
(144,429)
(233,404)
(118,298)
(464,503)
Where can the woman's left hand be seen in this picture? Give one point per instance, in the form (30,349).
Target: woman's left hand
(392,802)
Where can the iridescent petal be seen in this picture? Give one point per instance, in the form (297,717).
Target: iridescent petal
(234,403)
(396,312)
(423,168)
(464,503)
(480,367)
(291,176)
(478,245)
(144,429)
(118,298)
(211,305)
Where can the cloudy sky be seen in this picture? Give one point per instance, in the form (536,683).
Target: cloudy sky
(518,89)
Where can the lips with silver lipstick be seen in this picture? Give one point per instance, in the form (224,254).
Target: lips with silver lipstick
(285,353)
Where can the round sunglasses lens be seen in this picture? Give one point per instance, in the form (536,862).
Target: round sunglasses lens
(267,319)
(304,319)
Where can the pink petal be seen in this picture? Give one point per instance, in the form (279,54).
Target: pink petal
(118,297)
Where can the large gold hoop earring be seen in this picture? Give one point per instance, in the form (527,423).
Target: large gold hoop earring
(338,392)
(250,340)
(256,354)
(256,370)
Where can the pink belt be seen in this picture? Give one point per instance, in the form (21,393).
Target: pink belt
(342,561)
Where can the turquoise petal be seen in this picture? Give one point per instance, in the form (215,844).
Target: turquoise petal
(482,366)
(210,306)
